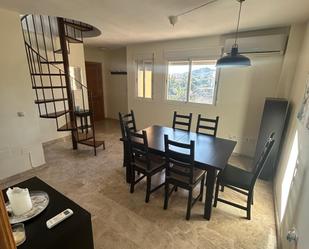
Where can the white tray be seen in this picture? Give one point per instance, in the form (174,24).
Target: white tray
(40,201)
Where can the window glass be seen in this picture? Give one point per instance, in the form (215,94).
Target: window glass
(193,79)
(178,77)
(140,80)
(203,82)
(144,79)
(148,79)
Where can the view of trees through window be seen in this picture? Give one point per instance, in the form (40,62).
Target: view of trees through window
(192,81)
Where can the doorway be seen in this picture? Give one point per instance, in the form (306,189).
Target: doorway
(95,85)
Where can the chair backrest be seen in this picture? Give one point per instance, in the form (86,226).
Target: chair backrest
(180,155)
(127,120)
(263,157)
(207,126)
(138,146)
(184,121)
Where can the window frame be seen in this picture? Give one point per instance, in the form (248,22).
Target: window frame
(190,60)
(137,61)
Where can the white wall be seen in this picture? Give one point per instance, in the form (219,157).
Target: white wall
(117,83)
(20,142)
(294,210)
(241,92)
(291,57)
(114,86)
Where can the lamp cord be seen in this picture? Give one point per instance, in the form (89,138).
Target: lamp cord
(198,7)
(236,36)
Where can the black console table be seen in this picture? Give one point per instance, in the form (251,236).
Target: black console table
(73,233)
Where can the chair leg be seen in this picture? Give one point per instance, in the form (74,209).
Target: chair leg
(176,189)
(202,188)
(216,194)
(249,201)
(132,180)
(124,155)
(189,205)
(166,195)
(222,189)
(148,189)
(252,198)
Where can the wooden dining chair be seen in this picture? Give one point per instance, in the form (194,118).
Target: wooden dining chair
(181,172)
(207,126)
(143,162)
(126,120)
(241,180)
(182,122)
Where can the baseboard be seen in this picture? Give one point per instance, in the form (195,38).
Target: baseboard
(11,180)
(61,139)
(277,218)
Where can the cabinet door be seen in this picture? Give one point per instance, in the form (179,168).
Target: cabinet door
(273,120)
(6,237)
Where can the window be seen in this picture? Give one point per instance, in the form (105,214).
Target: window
(75,78)
(144,78)
(192,81)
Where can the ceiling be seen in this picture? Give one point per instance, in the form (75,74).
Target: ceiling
(124,22)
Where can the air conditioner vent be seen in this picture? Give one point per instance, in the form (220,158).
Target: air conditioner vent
(258,44)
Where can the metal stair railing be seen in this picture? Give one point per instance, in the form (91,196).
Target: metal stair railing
(40,36)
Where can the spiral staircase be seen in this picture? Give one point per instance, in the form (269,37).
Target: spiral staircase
(59,96)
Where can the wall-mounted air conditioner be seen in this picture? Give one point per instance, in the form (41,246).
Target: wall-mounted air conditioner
(262,44)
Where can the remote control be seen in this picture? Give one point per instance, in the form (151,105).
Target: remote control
(59,218)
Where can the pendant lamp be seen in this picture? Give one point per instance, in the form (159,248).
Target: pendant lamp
(234,59)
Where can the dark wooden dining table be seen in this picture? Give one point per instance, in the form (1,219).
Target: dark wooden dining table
(211,154)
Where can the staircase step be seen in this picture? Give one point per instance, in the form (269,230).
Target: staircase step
(84,127)
(58,51)
(73,40)
(92,143)
(78,26)
(83,113)
(54,114)
(84,136)
(48,74)
(51,62)
(42,101)
(47,87)
(67,127)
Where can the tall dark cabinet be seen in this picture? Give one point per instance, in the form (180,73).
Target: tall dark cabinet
(273,120)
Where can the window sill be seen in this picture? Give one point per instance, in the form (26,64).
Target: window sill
(143,99)
(175,102)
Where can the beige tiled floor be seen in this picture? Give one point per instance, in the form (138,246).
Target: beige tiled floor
(124,220)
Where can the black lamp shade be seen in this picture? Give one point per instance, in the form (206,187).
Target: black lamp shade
(234,59)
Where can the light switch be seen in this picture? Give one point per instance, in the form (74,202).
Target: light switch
(20,114)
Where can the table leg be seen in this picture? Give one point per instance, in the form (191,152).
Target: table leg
(82,123)
(210,185)
(86,124)
(127,162)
